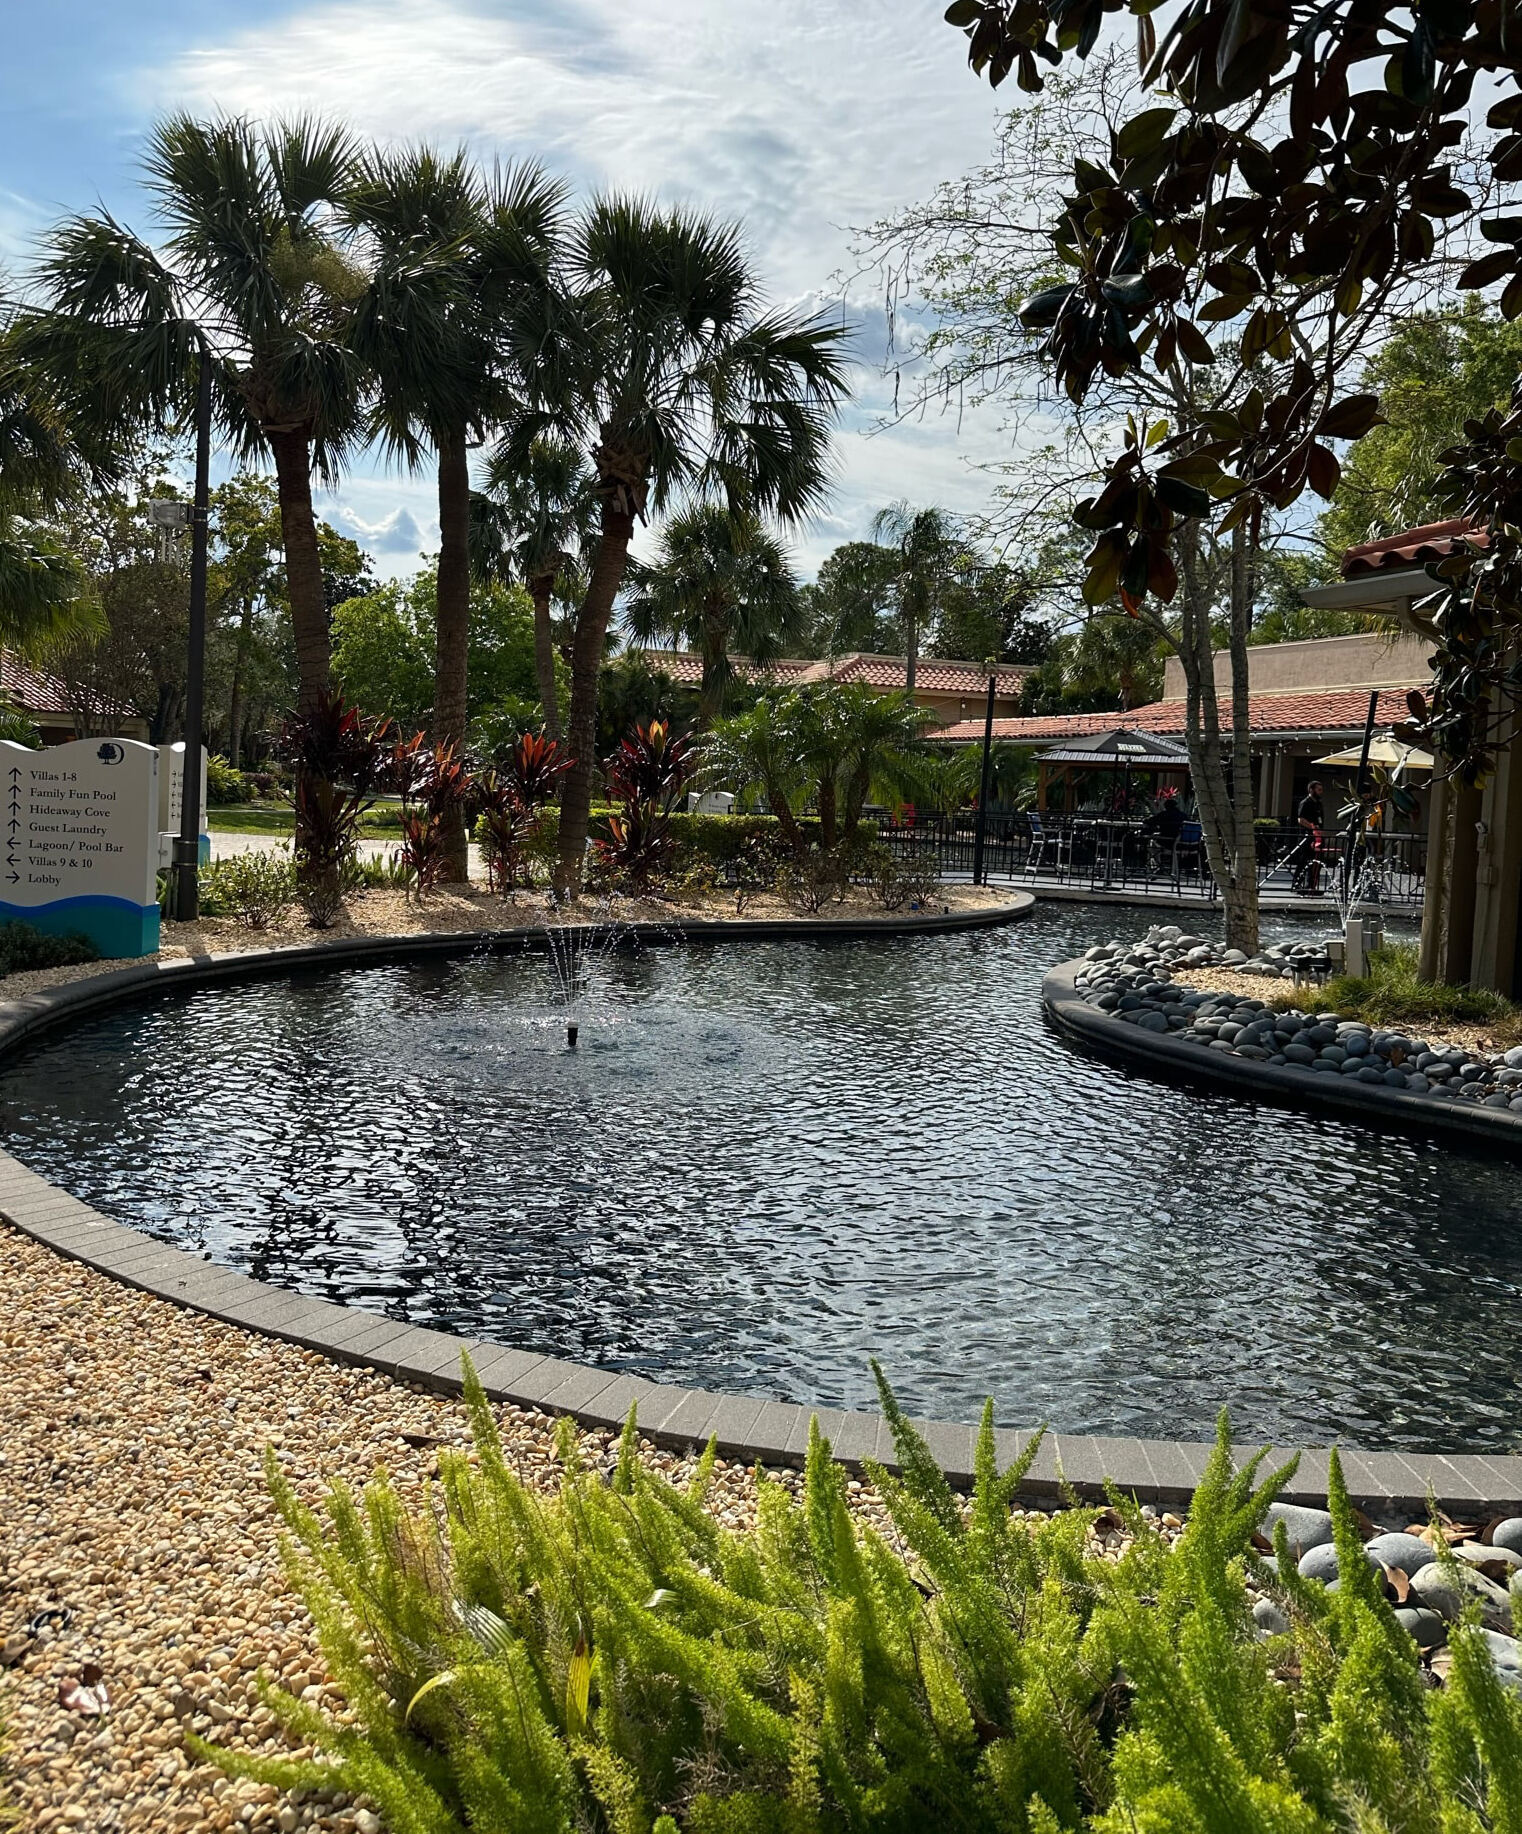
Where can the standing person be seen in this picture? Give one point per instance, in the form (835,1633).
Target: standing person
(1311,817)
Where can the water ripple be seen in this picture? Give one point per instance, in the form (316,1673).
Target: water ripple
(766,1163)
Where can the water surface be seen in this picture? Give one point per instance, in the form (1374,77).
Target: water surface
(767,1162)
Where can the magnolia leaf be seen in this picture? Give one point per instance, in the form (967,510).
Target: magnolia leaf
(963,12)
(1193,342)
(1144,133)
(1350,418)
(1488,269)
(578,1689)
(1323,471)
(1156,433)
(444,1677)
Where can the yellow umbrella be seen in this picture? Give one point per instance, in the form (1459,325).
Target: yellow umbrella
(1386,751)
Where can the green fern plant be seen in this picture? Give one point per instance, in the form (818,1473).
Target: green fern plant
(613,1659)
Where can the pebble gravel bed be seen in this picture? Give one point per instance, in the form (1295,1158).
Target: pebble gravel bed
(138,1545)
(1138,984)
(1427,1593)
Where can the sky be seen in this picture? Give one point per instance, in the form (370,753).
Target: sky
(798,119)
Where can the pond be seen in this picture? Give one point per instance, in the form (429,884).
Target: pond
(766,1163)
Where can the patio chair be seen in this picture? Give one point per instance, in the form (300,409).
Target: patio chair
(1057,840)
(1189,850)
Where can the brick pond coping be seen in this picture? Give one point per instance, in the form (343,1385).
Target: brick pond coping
(1166,1055)
(746,1426)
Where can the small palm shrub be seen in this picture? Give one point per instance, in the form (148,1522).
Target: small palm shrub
(225,785)
(256,888)
(614,1660)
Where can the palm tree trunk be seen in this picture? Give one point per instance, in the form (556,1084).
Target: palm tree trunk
(235,703)
(451,687)
(541,589)
(711,693)
(303,567)
(586,665)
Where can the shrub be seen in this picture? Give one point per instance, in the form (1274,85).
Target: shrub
(339,761)
(378,872)
(23,948)
(513,799)
(256,887)
(226,786)
(812,878)
(1391,994)
(615,1660)
(646,777)
(433,783)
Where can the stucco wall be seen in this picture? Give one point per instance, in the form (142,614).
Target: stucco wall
(1370,660)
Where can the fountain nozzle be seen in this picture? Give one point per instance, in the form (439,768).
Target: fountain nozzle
(570,1036)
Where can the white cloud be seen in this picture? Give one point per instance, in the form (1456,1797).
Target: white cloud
(798,118)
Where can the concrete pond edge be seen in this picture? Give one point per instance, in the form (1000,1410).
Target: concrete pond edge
(747,1427)
(1160,1054)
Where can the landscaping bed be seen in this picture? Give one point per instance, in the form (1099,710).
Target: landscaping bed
(1149,985)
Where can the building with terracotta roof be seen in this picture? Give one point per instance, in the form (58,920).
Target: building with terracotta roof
(1304,699)
(947,690)
(43,698)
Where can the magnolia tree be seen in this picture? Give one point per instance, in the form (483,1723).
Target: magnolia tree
(1176,372)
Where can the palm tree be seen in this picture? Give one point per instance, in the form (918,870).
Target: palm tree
(446,248)
(927,546)
(720,585)
(251,279)
(533,521)
(43,596)
(660,360)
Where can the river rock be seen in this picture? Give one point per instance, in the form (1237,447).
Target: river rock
(1425,1626)
(1440,1590)
(1505,1657)
(1319,1563)
(1400,1550)
(1268,1617)
(1306,1528)
(1508,1534)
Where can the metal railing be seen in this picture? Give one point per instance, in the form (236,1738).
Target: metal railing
(1099,853)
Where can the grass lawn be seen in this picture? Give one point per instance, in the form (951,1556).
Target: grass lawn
(280,818)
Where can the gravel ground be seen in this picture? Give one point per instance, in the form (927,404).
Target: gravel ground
(133,1507)
(1249,987)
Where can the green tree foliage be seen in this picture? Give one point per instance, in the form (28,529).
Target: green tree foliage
(384,647)
(851,604)
(822,747)
(248,278)
(1438,369)
(722,586)
(664,364)
(613,1659)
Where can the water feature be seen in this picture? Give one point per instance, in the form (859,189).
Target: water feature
(765,1162)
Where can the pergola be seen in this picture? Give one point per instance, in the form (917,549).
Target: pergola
(1145,753)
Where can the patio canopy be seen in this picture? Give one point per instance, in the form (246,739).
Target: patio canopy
(1121,750)
(1386,750)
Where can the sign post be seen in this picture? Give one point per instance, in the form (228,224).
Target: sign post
(81,830)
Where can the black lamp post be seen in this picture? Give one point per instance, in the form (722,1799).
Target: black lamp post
(988,739)
(187,848)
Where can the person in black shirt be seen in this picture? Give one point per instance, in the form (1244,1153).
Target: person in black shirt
(1311,815)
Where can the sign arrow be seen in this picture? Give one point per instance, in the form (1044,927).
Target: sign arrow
(14,877)
(14,824)
(15,773)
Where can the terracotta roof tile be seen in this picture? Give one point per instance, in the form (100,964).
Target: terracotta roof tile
(933,675)
(1328,710)
(32,688)
(1412,547)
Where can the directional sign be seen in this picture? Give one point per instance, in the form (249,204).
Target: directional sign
(172,796)
(81,841)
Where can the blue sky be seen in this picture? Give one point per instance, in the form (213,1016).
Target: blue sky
(798,118)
